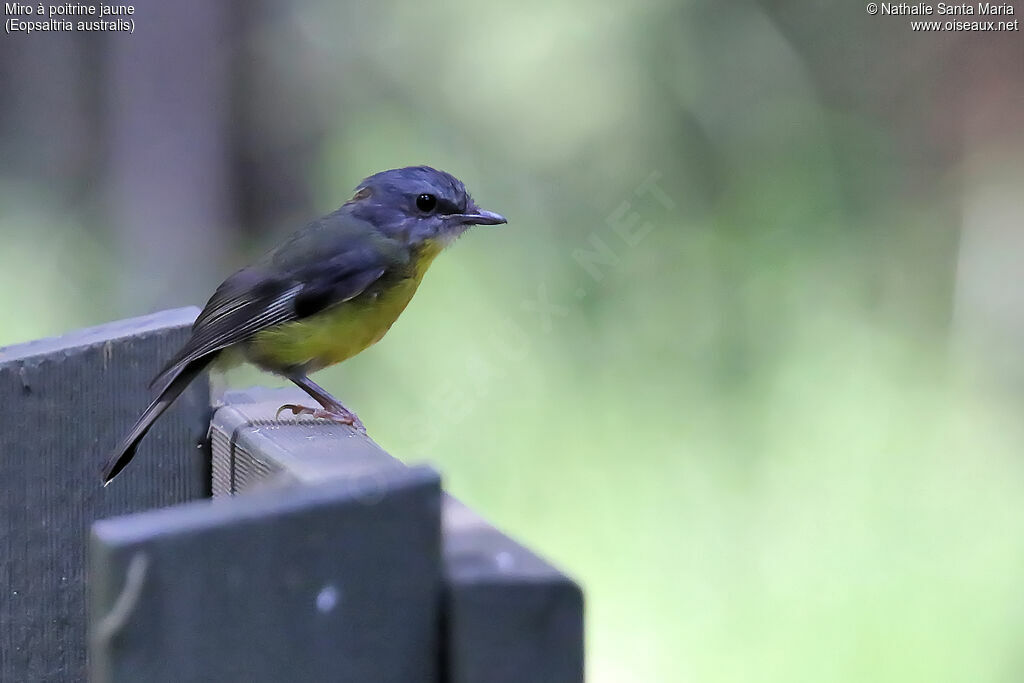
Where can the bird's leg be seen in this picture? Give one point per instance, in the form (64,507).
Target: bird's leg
(331,408)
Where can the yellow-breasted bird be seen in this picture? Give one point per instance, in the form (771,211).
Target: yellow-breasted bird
(329,291)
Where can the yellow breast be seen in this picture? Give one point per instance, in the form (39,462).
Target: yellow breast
(341,331)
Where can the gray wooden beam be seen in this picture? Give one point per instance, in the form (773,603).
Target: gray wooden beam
(335,581)
(508,615)
(67,401)
(252,448)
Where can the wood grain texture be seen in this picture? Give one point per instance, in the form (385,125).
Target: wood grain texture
(508,615)
(336,581)
(66,401)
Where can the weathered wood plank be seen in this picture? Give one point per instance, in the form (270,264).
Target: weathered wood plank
(508,615)
(328,582)
(67,401)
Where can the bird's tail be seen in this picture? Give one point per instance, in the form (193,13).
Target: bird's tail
(125,451)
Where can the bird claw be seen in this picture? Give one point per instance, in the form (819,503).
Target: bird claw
(342,416)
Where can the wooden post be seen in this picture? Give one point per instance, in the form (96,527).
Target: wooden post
(335,581)
(66,402)
(508,615)
(334,561)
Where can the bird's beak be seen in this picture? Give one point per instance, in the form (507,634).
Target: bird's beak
(480,217)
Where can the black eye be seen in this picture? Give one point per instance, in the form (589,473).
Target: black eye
(426,203)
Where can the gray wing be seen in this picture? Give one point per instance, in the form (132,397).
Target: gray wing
(318,267)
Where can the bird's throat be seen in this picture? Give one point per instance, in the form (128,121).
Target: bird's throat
(424,254)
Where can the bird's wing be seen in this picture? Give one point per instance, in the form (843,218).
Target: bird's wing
(317,267)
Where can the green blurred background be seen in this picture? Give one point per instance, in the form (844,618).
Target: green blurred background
(746,360)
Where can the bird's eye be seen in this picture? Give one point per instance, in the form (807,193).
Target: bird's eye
(426,203)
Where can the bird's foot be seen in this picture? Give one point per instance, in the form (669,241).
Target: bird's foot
(340,414)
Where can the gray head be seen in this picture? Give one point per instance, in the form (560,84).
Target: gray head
(418,203)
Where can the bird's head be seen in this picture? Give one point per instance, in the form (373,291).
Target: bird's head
(418,204)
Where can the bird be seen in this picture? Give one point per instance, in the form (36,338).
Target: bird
(332,289)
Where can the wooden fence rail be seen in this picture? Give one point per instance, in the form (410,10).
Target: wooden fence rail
(319,558)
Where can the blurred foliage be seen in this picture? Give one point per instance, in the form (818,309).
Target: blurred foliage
(751,436)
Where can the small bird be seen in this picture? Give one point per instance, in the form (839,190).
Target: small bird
(331,290)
